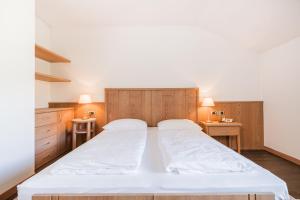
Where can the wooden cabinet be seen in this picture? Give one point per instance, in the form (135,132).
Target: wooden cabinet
(53,132)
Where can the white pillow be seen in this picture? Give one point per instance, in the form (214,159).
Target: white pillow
(178,124)
(126,124)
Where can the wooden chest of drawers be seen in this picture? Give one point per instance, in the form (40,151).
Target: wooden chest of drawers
(53,129)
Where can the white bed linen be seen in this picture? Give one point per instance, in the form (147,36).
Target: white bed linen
(111,152)
(151,178)
(192,151)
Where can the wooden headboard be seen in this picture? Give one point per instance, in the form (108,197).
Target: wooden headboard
(152,104)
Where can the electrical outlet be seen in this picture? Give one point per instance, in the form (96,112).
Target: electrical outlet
(91,113)
(214,112)
(218,113)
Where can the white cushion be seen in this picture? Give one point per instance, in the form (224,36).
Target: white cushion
(178,124)
(126,124)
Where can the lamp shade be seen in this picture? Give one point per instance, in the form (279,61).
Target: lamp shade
(85,98)
(208,102)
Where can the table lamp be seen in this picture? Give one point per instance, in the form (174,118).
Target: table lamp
(85,99)
(208,102)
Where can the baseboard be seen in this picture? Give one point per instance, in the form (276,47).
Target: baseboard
(12,193)
(282,155)
(9,194)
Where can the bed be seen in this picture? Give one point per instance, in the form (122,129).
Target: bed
(151,180)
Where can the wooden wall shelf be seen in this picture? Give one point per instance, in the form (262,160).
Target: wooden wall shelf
(45,54)
(49,78)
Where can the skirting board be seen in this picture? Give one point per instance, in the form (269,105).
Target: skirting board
(282,155)
(9,194)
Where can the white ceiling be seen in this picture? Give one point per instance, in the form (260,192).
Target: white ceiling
(255,24)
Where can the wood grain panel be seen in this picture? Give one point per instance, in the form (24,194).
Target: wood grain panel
(117,197)
(45,156)
(41,198)
(192,101)
(47,55)
(160,197)
(81,109)
(43,119)
(151,105)
(45,131)
(45,143)
(203,197)
(250,114)
(264,197)
(65,131)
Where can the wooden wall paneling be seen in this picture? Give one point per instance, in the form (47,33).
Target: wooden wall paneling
(192,104)
(112,104)
(254,124)
(65,131)
(81,109)
(147,99)
(156,107)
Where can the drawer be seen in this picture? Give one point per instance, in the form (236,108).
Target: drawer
(45,143)
(46,156)
(223,131)
(45,119)
(45,131)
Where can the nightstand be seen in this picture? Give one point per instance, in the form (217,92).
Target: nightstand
(224,129)
(83,126)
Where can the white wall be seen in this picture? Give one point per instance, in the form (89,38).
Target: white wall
(281,95)
(166,56)
(42,88)
(17,91)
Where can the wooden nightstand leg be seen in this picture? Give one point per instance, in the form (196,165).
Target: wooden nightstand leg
(229,142)
(238,141)
(94,129)
(74,136)
(88,134)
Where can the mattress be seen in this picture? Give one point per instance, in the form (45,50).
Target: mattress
(152,178)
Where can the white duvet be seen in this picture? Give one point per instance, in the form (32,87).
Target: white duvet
(111,152)
(192,151)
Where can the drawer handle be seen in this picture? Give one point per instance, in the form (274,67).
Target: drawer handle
(46,143)
(46,157)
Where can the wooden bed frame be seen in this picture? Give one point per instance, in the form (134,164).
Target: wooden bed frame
(153,105)
(157,197)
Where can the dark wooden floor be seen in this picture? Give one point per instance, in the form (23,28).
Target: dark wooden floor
(287,171)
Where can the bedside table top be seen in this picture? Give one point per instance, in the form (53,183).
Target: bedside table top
(212,124)
(79,120)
